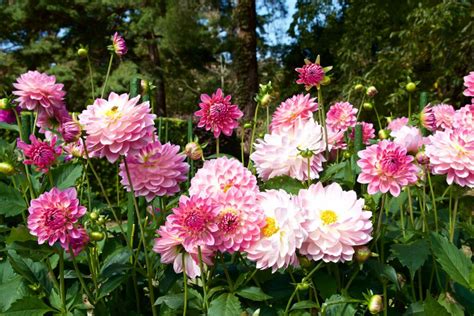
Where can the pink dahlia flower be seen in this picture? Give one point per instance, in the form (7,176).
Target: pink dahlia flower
(280,153)
(341,115)
(7,116)
(169,246)
(282,234)
(117,126)
(156,170)
(53,119)
(70,131)
(119,45)
(53,216)
(219,175)
(41,154)
(427,118)
(75,149)
(469,84)
(335,139)
(77,240)
(239,221)
(443,115)
(386,167)
(464,117)
(310,75)
(38,91)
(397,123)
(335,222)
(451,152)
(218,114)
(368,132)
(194,220)
(409,137)
(287,114)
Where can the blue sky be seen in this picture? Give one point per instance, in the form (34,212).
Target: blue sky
(276,32)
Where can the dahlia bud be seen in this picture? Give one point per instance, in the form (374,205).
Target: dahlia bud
(97,236)
(248,125)
(422,158)
(145,84)
(410,87)
(371,91)
(94,216)
(70,131)
(6,168)
(193,151)
(4,104)
(303,286)
(265,100)
(305,153)
(101,220)
(383,134)
(304,262)
(467,251)
(347,154)
(82,52)
(359,87)
(389,119)
(362,254)
(375,304)
(368,106)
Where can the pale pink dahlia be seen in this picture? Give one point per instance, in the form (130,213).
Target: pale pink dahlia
(117,126)
(119,45)
(464,117)
(41,154)
(239,221)
(341,115)
(386,166)
(156,170)
(77,239)
(280,153)
(286,115)
(409,137)
(310,75)
(368,132)
(218,114)
(443,114)
(219,175)
(427,118)
(469,84)
(335,139)
(282,234)
(53,119)
(194,220)
(335,222)
(169,246)
(53,216)
(38,91)
(451,152)
(397,123)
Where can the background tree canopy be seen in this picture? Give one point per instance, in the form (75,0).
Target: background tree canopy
(191,47)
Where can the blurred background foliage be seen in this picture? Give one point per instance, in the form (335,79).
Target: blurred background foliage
(189,47)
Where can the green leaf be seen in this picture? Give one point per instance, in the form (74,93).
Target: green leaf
(9,127)
(11,286)
(286,183)
(383,271)
(174,301)
(28,306)
(451,259)
(19,233)
(337,305)
(253,293)
(111,284)
(225,305)
(65,176)
(34,272)
(412,255)
(115,263)
(450,304)
(432,307)
(415,309)
(304,305)
(11,201)
(471,278)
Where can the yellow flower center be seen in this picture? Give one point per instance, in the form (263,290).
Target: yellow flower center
(460,149)
(270,228)
(328,217)
(228,186)
(113,112)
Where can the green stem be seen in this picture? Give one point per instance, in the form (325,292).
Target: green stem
(107,76)
(294,282)
(227,276)
(217,147)
(402,218)
(410,208)
(385,299)
(453,222)
(323,120)
(90,75)
(409,107)
(79,275)
(203,279)
(254,127)
(360,108)
(289,301)
(353,276)
(242,146)
(61,280)
(268,119)
(309,171)
(378,117)
(433,199)
(185,285)
(27,172)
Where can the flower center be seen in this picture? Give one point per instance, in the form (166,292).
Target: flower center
(328,217)
(113,113)
(218,109)
(194,221)
(227,186)
(459,148)
(270,228)
(229,220)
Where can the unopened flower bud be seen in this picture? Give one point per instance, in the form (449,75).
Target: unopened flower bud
(422,158)
(145,84)
(368,106)
(70,131)
(303,286)
(389,119)
(347,155)
(101,220)
(383,134)
(410,87)
(247,125)
(304,262)
(93,216)
(375,304)
(371,91)
(265,100)
(362,254)
(82,52)
(193,151)
(359,87)
(4,104)
(6,168)
(97,236)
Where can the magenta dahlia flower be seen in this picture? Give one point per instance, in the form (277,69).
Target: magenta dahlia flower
(280,153)
(409,137)
(219,175)
(218,114)
(341,115)
(41,154)
(469,84)
(386,166)
(156,170)
(397,123)
(7,116)
(38,91)
(53,216)
(117,126)
(119,45)
(77,239)
(368,132)
(287,114)
(335,222)
(443,115)
(282,234)
(311,74)
(451,152)
(194,220)
(464,117)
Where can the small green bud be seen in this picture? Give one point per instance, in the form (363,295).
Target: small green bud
(359,87)
(371,91)
(265,100)
(362,254)
(101,220)
(375,305)
(6,168)
(97,236)
(383,134)
(303,286)
(368,106)
(94,216)
(4,104)
(82,52)
(389,119)
(410,87)
(193,151)
(304,262)
(347,154)
(247,125)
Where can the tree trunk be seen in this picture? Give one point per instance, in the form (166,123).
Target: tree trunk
(245,56)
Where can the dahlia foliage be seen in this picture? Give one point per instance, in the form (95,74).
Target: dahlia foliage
(313,213)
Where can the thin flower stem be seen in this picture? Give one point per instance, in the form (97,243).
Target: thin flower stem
(402,218)
(385,299)
(409,107)
(227,276)
(252,138)
(27,172)
(294,282)
(91,77)
(353,276)
(217,147)
(433,200)
(185,286)
(62,288)
(242,146)
(360,107)
(268,119)
(107,76)
(289,301)
(410,208)
(203,279)
(323,120)
(79,275)
(378,117)
(453,222)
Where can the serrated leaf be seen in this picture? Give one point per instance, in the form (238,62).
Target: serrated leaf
(453,307)
(225,305)
(415,309)
(383,270)
(65,176)
(253,293)
(28,306)
(115,263)
(432,307)
(451,259)
(304,305)
(337,305)
(286,183)
(19,233)
(412,255)
(34,272)
(11,201)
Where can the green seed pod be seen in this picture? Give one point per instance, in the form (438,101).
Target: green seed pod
(82,52)
(6,168)
(368,106)
(359,87)
(94,216)
(97,236)
(410,87)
